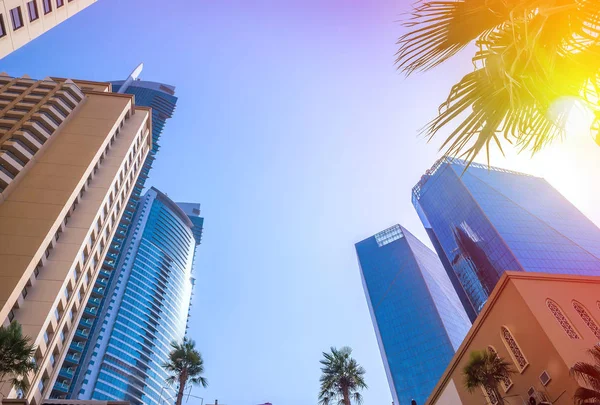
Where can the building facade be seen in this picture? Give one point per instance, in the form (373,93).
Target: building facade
(70,155)
(148,307)
(161,99)
(22,21)
(484,221)
(541,324)
(418,319)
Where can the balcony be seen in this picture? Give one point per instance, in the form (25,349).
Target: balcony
(67,98)
(77,346)
(10,162)
(61,387)
(99,291)
(38,130)
(72,358)
(86,322)
(82,333)
(102,282)
(6,177)
(91,311)
(73,90)
(67,372)
(28,139)
(47,121)
(61,105)
(19,149)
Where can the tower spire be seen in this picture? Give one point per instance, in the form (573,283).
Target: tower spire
(133,76)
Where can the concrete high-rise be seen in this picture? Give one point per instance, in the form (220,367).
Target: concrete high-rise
(485,220)
(70,155)
(159,97)
(418,319)
(148,308)
(21,21)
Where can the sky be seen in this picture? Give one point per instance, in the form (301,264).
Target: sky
(299,138)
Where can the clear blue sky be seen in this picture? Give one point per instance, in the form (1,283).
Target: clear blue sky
(297,135)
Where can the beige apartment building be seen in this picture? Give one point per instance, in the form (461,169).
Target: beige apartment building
(70,154)
(541,324)
(24,20)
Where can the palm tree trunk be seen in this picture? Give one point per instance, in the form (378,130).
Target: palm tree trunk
(346,395)
(182,381)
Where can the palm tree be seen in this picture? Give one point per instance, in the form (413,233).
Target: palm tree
(589,375)
(16,356)
(342,377)
(185,366)
(530,55)
(486,369)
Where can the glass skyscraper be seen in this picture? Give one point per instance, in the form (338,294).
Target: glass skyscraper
(161,98)
(486,220)
(148,307)
(418,318)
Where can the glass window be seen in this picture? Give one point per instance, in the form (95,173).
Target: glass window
(2,27)
(47,6)
(52,359)
(16,17)
(33,10)
(60,3)
(46,337)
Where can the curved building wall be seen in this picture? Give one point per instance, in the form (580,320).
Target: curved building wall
(160,97)
(148,307)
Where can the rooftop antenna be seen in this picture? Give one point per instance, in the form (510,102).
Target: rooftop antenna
(133,76)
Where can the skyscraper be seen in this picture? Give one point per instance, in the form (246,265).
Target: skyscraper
(418,318)
(22,21)
(484,221)
(148,306)
(160,97)
(70,154)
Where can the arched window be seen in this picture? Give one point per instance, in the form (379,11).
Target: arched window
(514,349)
(490,396)
(587,318)
(506,381)
(562,319)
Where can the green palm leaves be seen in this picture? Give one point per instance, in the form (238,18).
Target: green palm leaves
(589,375)
(485,369)
(16,356)
(342,378)
(185,366)
(529,55)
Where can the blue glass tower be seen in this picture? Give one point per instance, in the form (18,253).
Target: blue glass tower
(418,319)
(486,220)
(161,98)
(148,307)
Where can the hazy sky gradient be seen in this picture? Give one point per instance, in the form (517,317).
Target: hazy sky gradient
(297,135)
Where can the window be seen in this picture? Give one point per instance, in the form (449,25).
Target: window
(562,319)
(506,381)
(587,318)
(16,17)
(47,6)
(490,396)
(60,3)
(2,27)
(514,349)
(33,10)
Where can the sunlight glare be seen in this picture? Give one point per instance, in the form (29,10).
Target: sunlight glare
(574,115)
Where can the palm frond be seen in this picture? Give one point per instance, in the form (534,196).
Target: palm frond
(440,29)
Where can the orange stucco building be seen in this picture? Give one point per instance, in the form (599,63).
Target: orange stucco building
(542,324)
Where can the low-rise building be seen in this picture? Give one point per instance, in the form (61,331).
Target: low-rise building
(541,324)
